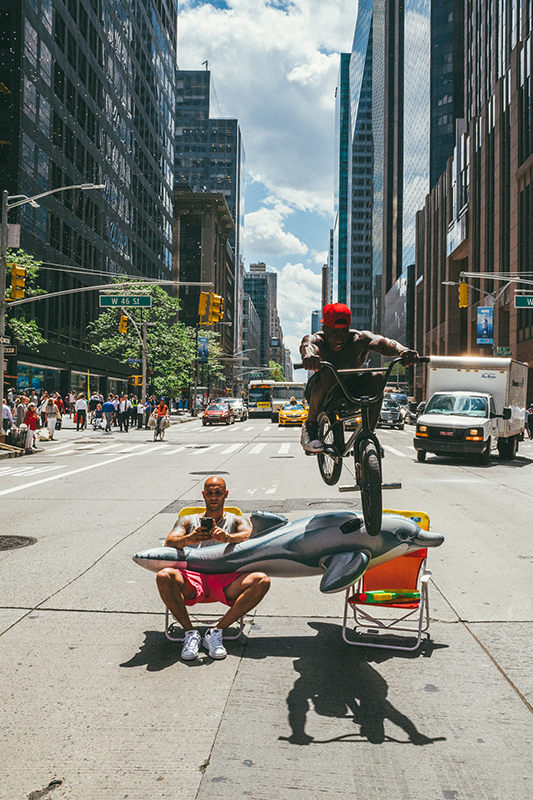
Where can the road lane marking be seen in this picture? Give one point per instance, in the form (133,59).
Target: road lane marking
(257,449)
(206,449)
(393,450)
(74,472)
(231,449)
(103,449)
(62,453)
(174,450)
(251,428)
(30,471)
(131,449)
(284,448)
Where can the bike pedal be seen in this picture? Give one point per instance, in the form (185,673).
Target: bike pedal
(396,485)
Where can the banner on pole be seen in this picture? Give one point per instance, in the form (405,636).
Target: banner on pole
(485,325)
(203,348)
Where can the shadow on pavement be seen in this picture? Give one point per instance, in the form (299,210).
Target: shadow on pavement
(338,681)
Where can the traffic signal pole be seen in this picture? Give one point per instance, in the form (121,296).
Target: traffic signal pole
(3,257)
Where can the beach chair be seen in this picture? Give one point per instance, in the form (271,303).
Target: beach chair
(172,630)
(394,625)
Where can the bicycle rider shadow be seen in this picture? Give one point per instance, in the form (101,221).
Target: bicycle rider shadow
(345,686)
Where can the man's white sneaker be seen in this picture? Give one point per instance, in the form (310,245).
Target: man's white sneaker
(191,646)
(213,643)
(309,438)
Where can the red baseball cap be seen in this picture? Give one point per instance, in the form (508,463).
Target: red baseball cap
(336,315)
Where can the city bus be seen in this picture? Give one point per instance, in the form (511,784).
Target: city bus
(282,391)
(260,398)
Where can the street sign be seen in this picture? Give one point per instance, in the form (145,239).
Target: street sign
(523,301)
(128,300)
(503,351)
(10,351)
(134,360)
(5,340)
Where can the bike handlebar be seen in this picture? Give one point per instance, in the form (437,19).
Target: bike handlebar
(386,371)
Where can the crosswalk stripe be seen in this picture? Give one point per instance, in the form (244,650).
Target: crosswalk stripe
(257,449)
(173,450)
(284,448)
(231,449)
(393,450)
(62,453)
(206,449)
(131,449)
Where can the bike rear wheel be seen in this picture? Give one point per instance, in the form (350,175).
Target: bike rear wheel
(371,498)
(330,436)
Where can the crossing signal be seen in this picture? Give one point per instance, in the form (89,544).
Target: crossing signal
(203,307)
(136,380)
(18,282)
(123,324)
(216,309)
(463,295)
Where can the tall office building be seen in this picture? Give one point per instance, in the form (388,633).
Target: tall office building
(479,216)
(261,286)
(342,138)
(87,96)
(209,157)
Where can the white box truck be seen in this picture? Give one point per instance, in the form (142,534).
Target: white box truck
(475,406)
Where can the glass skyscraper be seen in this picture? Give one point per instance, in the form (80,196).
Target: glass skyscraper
(87,96)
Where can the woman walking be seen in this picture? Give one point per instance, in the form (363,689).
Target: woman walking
(31,420)
(52,414)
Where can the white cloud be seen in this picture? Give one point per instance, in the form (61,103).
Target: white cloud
(318,257)
(275,68)
(299,294)
(264,233)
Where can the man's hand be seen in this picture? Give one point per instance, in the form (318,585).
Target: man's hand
(409,357)
(199,535)
(311,362)
(218,534)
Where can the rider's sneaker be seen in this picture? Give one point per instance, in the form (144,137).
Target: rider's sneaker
(213,643)
(309,439)
(191,646)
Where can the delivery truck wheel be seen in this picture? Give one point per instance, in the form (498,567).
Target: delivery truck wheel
(485,455)
(420,455)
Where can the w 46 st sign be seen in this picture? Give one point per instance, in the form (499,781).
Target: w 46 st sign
(127,300)
(523,301)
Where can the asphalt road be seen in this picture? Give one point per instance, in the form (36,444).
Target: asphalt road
(97,704)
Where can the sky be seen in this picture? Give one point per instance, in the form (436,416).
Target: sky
(275,65)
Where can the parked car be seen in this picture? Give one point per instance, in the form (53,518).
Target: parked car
(218,412)
(239,408)
(292,414)
(392,414)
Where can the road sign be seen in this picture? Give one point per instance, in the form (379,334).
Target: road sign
(503,351)
(523,301)
(134,360)
(10,351)
(128,300)
(5,340)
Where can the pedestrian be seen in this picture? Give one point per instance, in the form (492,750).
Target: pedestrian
(42,408)
(109,409)
(140,414)
(123,413)
(30,420)
(147,412)
(530,422)
(81,412)
(21,404)
(115,415)
(7,416)
(52,414)
(93,402)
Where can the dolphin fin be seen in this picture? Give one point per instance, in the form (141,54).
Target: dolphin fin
(342,569)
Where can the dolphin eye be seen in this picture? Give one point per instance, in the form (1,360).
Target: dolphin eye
(404,535)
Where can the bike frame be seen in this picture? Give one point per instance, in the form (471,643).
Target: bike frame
(363,429)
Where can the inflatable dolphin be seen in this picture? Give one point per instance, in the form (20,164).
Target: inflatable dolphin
(335,545)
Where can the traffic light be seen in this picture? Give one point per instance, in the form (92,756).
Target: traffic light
(136,380)
(463,295)
(18,282)
(123,324)
(203,307)
(216,308)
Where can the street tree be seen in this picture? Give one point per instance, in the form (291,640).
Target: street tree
(171,345)
(276,371)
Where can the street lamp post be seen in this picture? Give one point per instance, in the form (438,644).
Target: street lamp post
(19,200)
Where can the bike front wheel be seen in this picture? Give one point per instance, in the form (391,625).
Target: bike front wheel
(331,437)
(371,499)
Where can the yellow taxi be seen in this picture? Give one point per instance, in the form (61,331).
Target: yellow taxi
(292,413)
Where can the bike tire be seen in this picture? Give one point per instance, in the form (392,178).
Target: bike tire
(371,497)
(330,470)
(162,434)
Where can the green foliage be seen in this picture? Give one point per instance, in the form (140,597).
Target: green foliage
(171,345)
(276,371)
(18,320)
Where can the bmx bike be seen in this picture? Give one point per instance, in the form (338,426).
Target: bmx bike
(341,408)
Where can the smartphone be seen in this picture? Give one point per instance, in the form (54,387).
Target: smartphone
(206,523)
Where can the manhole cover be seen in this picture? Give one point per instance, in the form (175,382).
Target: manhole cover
(331,504)
(213,472)
(12,542)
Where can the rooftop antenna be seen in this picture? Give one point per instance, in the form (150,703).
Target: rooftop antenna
(206,65)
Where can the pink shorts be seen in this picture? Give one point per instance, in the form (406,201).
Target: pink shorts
(209,588)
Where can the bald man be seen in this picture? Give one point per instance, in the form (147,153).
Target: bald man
(182,588)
